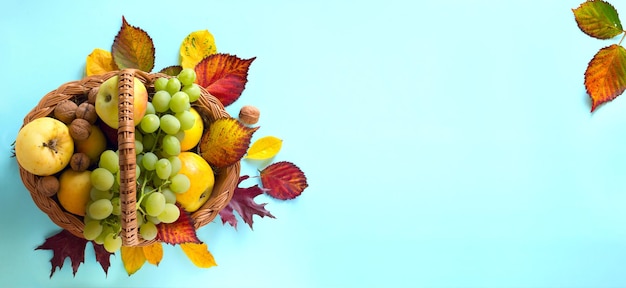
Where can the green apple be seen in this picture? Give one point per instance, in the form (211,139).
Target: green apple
(107,101)
(44,146)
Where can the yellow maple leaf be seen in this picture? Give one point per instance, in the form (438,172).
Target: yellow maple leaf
(196,46)
(225,142)
(199,254)
(133,258)
(264,148)
(99,62)
(153,253)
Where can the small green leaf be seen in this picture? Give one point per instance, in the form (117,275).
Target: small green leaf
(171,70)
(598,19)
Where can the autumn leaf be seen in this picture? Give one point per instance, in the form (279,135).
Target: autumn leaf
(225,142)
(283,180)
(605,78)
(102,256)
(171,70)
(133,258)
(195,47)
(65,245)
(243,203)
(133,48)
(264,148)
(224,76)
(99,62)
(199,254)
(598,19)
(180,231)
(153,253)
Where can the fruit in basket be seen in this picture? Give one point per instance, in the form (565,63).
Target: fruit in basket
(44,146)
(74,191)
(192,136)
(94,145)
(201,180)
(107,101)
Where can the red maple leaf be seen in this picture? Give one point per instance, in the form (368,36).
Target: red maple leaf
(102,256)
(224,76)
(180,231)
(283,180)
(243,203)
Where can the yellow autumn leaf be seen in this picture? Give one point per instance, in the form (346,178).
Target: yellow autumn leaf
(199,254)
(264,148)
(133,258)
(196,46)
(99,62)
(153,253)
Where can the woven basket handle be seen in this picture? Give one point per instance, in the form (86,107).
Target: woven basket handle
(126,146)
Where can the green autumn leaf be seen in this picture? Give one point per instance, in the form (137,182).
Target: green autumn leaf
(605,78)
(133,48)
(598,19)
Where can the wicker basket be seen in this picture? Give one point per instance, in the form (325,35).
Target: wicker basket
(207,106)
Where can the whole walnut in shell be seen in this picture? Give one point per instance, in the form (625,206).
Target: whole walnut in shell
(80,129)
(87,111)
(65,111)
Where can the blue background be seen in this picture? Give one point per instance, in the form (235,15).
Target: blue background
(446,143)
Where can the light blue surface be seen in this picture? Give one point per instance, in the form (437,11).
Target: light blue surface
(446,143)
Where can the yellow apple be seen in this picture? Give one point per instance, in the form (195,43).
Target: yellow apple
(202,180)
(74,191)
(107,101)
(94,145)
(192,136)
(44,146)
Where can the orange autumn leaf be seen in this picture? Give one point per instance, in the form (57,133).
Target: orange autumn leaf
(195,47)
(133,48)
(225,142)
(133,258)
(153,253)
(199,254)
(224,76)
(99,62)
(605,78)
(180,231)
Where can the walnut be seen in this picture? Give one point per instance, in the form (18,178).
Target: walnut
(48,185)
(79,162)
(249,115)
(80,129)
(87,111)
(91,97)
(65,111)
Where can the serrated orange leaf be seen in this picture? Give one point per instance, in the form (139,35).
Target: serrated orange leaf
(133,258)
(605,78)
(133,48)
(195,47)
(199,254)
(99,62)
(224,76)
(283,180)
(180,231)
(225,142)
(153,253)
(264,148)
(598,19)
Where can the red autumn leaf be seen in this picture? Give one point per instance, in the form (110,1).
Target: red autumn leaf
(133,48)
(243,203)
(605,78)
(180,231)
(65,245)
(102,256)
(598,19)
(224,76)
(283,180)
(225,142)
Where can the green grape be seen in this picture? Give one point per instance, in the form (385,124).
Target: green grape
(149,160)
(140,219)
(179,102)
(163,168)
(149,142)
(92,229)
(180,135)
(170,213)
(138,135)
(138,147)
(109,160)
(180,183)
(148,231)
(193,91)
(176,164)
(150,108)
(117,206)
(100,209)
(186,119)
(150,123)
(187,76)
(102,179)
(170,196)
(156,181)
(96,194)
(112,243)
(173,85)
(161,101)
(171,145)
(154,204)
(153,219)
(106,230)
(170,124)
(160,83)
(137,172)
